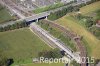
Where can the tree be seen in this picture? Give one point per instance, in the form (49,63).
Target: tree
(1,29)
(89,23)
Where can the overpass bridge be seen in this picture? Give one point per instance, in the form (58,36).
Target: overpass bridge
(37,16)
(19,12)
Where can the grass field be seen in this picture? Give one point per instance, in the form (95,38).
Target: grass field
(4,15)
(21,45)
(90,8)
(78,29)
(47,8)
(44,64)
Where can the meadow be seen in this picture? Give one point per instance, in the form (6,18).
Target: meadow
(4,15)
(21,45)
(90,8)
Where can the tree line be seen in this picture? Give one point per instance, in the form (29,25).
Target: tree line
(58,14)
(62,12)
(16,25)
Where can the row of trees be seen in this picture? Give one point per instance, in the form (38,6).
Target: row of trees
(16,25)
(64,11)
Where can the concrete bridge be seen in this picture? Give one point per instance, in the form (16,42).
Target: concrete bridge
(29,19)
(37,17)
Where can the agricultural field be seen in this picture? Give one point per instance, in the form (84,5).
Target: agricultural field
(4,15)
(21,45)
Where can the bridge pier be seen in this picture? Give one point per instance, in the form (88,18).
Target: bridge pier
(46,17)
(37,20)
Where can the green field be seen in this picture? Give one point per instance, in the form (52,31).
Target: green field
(21,45)
(44,64)
(90,8)
(4,15)
(47,8)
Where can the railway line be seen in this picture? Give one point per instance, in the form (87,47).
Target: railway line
(15,9)
(76,38)
(55,41)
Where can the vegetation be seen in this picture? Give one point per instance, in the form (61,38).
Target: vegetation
(4,15)
(74,63)
(16,25)
(96,31)
(47,8)
(55,53)
(98,14)
(88,9)
(58,34)
(21,45)
(3,59)
(44,64)
(60,13)
(89,22)
(80,25)
(92,41)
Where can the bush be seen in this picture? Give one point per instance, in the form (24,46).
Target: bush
(50,54)
(13,26)
(60,13)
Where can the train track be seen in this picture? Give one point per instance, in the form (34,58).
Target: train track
(13,6)
(75,37)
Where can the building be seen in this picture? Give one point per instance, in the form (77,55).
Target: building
(98,23)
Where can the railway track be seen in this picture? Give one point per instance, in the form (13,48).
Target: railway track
(13,6)
(75,37)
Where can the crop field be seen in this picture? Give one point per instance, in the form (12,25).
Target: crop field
(4,15)
(21,45)
(90,8)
